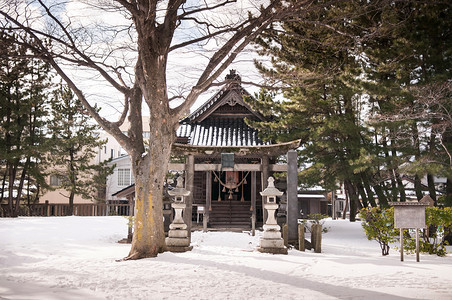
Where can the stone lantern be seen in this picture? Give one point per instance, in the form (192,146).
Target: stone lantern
(271,242)
(178,240)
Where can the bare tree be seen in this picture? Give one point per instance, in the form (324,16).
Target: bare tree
(434,105)
(156,30)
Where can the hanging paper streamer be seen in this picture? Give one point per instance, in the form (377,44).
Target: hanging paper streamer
(232,183)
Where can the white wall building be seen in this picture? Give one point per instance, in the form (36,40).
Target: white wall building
(111,149)
(121,178)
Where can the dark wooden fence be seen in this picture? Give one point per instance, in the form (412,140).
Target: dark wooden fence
(55,210)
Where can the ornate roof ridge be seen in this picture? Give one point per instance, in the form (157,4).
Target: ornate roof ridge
(233,83)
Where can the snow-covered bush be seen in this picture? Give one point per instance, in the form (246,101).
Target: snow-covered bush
(315,219)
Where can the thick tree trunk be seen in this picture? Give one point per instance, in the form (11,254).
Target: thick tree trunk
(5,173)
(382,199)
(346,206)
(21,184)
(189,178)
(150,172)
(353,199)
(417,180)
(430,178)
(394,189)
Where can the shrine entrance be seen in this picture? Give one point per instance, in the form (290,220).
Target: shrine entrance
(231,205)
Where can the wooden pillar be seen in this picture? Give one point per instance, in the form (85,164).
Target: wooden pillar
(264,183)
(253,202)
(401,244)
(301,237)
(189,180)
(208,200)
(417,244)
(316,237)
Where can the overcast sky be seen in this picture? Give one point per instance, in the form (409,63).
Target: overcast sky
(184,65)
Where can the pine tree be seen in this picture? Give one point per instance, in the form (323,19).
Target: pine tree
(413,57)
(351,56)
(319,70)
(74,146)
(24,84)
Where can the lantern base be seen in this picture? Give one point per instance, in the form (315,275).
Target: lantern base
(273,250)
(178,241)
(178,249)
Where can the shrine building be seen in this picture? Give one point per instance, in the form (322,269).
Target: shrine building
(225,164)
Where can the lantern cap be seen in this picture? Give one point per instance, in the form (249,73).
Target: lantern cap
(179,190)
(271,190)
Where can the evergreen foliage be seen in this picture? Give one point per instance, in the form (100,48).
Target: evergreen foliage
(75,143)
(348,72)
(319,70)
(433,240)
(378,225)
(406,66)
(24,85)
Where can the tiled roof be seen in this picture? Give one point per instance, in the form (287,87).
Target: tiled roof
(220,121)
(220,132)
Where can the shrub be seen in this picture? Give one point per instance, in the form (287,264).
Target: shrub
(315,219)
(439,224)
(378,225)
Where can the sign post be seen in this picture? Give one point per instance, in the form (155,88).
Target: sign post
(409,215)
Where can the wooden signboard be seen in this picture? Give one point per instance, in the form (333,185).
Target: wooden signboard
(409,215)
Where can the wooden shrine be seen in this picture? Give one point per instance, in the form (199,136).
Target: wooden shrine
(226,163)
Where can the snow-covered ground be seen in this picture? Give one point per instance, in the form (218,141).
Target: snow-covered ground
(75,258)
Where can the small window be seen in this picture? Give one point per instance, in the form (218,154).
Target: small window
(112,153)
(55,180)
(146,134)
(125,177)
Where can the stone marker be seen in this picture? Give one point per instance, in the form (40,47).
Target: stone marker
(178,239)
(271,242)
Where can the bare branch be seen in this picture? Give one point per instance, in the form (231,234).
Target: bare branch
(206,8)
(229,51)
